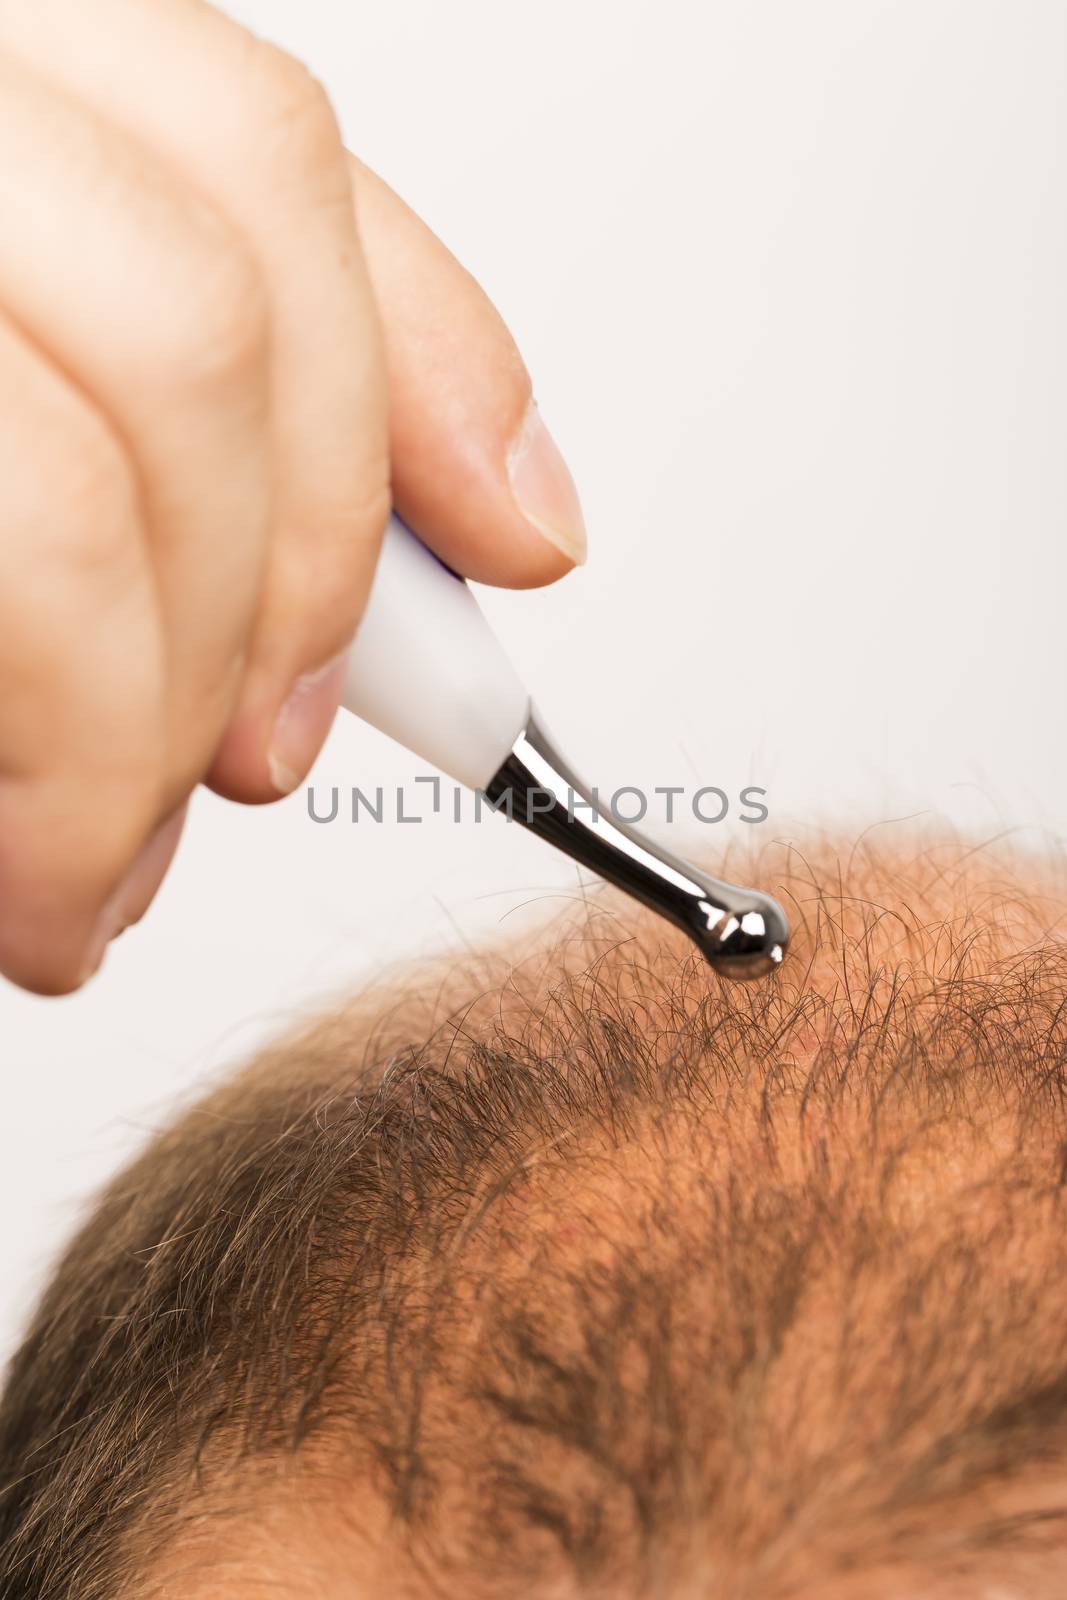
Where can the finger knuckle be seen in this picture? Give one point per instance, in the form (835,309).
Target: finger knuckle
(219,332)
(298,116)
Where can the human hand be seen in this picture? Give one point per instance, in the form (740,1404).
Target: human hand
(225,346)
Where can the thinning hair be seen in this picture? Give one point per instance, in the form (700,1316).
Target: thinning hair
(578,1269)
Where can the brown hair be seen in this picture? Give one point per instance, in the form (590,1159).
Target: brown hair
(587,1264)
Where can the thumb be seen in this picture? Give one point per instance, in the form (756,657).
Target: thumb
(475,471)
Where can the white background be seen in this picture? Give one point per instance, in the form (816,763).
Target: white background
(790,276)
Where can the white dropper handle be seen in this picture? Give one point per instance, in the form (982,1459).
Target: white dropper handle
(426,668)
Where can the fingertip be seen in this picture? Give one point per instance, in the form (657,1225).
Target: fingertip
(475,471)
(517,556)
(544,490)
(56,948)
(266,754)
(504,512)
(240,771)
(46,947)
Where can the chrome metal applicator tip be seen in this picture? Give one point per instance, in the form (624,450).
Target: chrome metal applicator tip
(747,944)
(740,932)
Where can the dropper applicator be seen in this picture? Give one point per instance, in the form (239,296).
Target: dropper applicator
(427,670)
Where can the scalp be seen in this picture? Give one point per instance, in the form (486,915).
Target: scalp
(577,1270)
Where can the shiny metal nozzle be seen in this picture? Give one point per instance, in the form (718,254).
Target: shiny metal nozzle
(740,932)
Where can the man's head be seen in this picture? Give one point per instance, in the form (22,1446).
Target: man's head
(583,1274)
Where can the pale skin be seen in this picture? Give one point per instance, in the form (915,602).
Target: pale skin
(225,349)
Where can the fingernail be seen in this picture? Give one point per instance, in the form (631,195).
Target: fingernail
(543,487)
(134,894)
(303,723)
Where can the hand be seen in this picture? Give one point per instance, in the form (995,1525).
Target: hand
(211,386)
